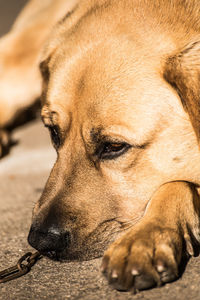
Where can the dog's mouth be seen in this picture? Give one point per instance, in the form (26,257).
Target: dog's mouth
(52,255)
(72,255)
(61,255)
(75,253)
(62,245)
(78,251)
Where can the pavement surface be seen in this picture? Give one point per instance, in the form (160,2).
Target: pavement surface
(22,176)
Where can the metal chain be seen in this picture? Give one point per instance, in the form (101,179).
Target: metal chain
(22,267)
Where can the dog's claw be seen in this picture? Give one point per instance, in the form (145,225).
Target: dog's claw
(134,272)
(114,274)
(160,267)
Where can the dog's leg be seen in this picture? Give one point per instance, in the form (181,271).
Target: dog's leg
(20,49)
(150,253)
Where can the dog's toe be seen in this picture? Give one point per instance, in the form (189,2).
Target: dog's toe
(143,260)
(167,271)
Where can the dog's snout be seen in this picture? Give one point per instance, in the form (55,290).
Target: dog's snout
(48,241)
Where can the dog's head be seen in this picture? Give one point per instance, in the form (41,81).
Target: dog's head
(120,132)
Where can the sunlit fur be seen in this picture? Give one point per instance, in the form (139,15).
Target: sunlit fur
(126,71)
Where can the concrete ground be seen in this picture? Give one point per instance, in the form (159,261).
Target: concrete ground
(22,177)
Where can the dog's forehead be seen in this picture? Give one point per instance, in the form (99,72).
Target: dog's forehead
(109,87)
(97,73)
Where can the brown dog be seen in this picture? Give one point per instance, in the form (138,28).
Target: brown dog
(120,98)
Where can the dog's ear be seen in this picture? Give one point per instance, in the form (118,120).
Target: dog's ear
(182,71)
(44,70)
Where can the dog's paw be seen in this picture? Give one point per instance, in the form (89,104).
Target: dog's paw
(143,258)
(4,142)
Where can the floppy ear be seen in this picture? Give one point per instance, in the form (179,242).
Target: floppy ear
(44,69)
(183,73)
(45,73)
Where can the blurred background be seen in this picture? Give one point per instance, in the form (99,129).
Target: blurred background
(8,11)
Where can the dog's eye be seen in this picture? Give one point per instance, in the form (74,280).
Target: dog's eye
(112,150)
(55,135)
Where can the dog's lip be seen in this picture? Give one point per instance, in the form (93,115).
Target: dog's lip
(54,255)
(67,256)
(60,256)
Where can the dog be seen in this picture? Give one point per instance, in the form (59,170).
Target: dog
(120,97)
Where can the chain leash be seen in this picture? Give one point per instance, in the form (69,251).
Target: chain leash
(22,267)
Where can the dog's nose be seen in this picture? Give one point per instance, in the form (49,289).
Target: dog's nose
(48,241)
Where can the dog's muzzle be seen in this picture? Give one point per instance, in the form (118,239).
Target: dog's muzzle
(50,242)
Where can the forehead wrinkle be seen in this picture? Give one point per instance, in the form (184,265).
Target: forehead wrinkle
(63,80)
(73,63)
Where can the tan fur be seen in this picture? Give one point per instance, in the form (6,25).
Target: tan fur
(118,72)
(20,80)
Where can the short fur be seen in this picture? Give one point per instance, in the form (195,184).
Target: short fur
(122,75)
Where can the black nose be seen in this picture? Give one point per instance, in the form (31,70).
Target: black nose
(49,241)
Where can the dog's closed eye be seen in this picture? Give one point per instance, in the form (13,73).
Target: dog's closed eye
(109,150)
